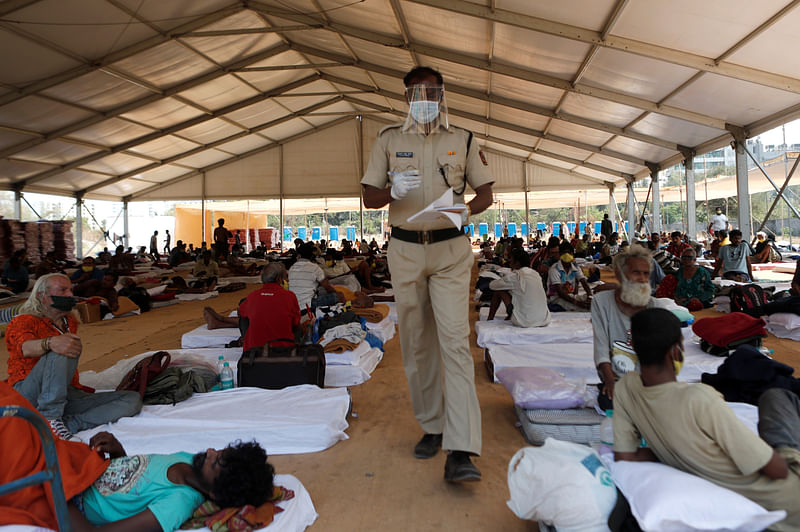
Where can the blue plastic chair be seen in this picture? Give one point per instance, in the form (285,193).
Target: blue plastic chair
(51,473)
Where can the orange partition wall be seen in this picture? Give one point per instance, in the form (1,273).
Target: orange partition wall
(189,223)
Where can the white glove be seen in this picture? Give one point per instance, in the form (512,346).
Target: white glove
(404,182)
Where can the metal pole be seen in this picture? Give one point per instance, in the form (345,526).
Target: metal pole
(612,204)
(79,227)
(742,186)
(126,233)
(771,182)
(779,194)
(631,214)
(656,207)
(17,205)
(691,201)
(527,209)
(280,195)
(361,173)
(203,206)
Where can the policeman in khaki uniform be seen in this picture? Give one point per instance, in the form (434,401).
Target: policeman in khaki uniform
(411,165)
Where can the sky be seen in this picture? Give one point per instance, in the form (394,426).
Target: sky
(775,136)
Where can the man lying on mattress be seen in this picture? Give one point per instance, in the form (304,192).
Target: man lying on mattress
(689,426)
(143,492)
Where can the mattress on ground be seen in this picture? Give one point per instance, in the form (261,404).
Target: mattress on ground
(569,329)
(197,297)
(203,337)
(353,375)
(297,515)
(575,361)
(784,325)
(299,419)
(483,315)
(383,330)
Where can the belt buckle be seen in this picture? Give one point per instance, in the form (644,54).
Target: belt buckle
(425,237)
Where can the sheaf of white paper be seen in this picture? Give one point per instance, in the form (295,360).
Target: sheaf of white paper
(441,206)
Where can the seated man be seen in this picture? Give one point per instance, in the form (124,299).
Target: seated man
(764,249)
(178,255)
(104,288)
(522,292)
(15,274)
(611,317)
(43,352)
(677,246)
(272,311)
(49,264)
(88,271)
(236,265)
(121,263)
(610,249)
(689,426)
(582,246)
(308,282)
(666,261)
(733,261)
(562,283)
(206,271)
(142,492)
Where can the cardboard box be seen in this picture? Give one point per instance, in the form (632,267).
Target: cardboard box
(89,312)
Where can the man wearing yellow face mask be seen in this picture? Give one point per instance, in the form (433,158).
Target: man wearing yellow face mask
(691,428)
(87,272)
(562,283)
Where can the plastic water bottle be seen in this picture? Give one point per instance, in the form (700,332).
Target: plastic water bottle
(220,364)
(607,429)
(226,377)
(766,351)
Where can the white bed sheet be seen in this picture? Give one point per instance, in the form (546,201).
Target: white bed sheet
(201,337)
(353,375)
(197,297)
(576,360)
(784,325)
(299,419)
(384,329)
(297,515)
(565,327)
(483,315)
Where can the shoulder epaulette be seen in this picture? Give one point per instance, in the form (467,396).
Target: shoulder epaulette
(387,128)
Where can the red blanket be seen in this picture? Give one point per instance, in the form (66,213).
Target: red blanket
(21,455)
(729,328)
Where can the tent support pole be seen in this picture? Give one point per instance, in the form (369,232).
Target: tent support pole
(126,233)
(771,182)
(691,200)
(527,209)
(18,205)
(79,227)
(360,120)
(203,206)
(629,232)
(282,221)
(612,204)
(656,205)
(742,187)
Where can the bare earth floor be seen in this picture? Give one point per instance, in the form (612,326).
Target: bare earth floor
(371,481)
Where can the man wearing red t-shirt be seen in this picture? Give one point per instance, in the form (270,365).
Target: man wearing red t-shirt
(677,246)
(43,352)
(272,310)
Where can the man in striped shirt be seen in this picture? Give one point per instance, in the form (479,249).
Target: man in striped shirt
(308,281)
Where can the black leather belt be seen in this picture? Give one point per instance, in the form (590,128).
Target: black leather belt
(426,237)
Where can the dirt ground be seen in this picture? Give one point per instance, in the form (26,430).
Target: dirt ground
(370,481)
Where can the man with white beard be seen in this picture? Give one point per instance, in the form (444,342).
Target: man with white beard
(611,318)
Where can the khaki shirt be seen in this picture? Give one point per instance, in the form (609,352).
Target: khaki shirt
(444,151)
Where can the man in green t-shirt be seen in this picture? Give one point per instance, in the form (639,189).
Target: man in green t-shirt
(160,492)
(689,426)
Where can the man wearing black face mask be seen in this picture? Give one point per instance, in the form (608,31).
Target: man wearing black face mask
(43,352)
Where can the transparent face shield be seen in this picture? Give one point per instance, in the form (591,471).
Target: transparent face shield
(427,108)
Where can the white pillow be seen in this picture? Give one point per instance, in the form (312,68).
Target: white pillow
(787,320)
(664,499)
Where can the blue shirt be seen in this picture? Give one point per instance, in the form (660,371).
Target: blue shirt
(133,484)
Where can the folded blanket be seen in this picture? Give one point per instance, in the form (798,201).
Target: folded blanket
(352,332)
(376,314)
(242,519)
(340,345)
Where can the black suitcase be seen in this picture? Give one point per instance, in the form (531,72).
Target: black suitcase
(274,368)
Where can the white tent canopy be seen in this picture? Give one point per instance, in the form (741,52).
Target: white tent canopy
(219,99)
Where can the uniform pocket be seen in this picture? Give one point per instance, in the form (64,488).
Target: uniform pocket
(452,173)
(400,161)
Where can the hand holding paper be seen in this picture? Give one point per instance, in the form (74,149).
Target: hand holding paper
(443,206)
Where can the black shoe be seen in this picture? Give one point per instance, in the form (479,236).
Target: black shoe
(459,468)
(428,446)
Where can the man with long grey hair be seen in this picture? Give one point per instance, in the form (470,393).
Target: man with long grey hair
(43,352)
(611,317)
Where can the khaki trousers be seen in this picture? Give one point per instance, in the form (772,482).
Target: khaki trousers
(431,291)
